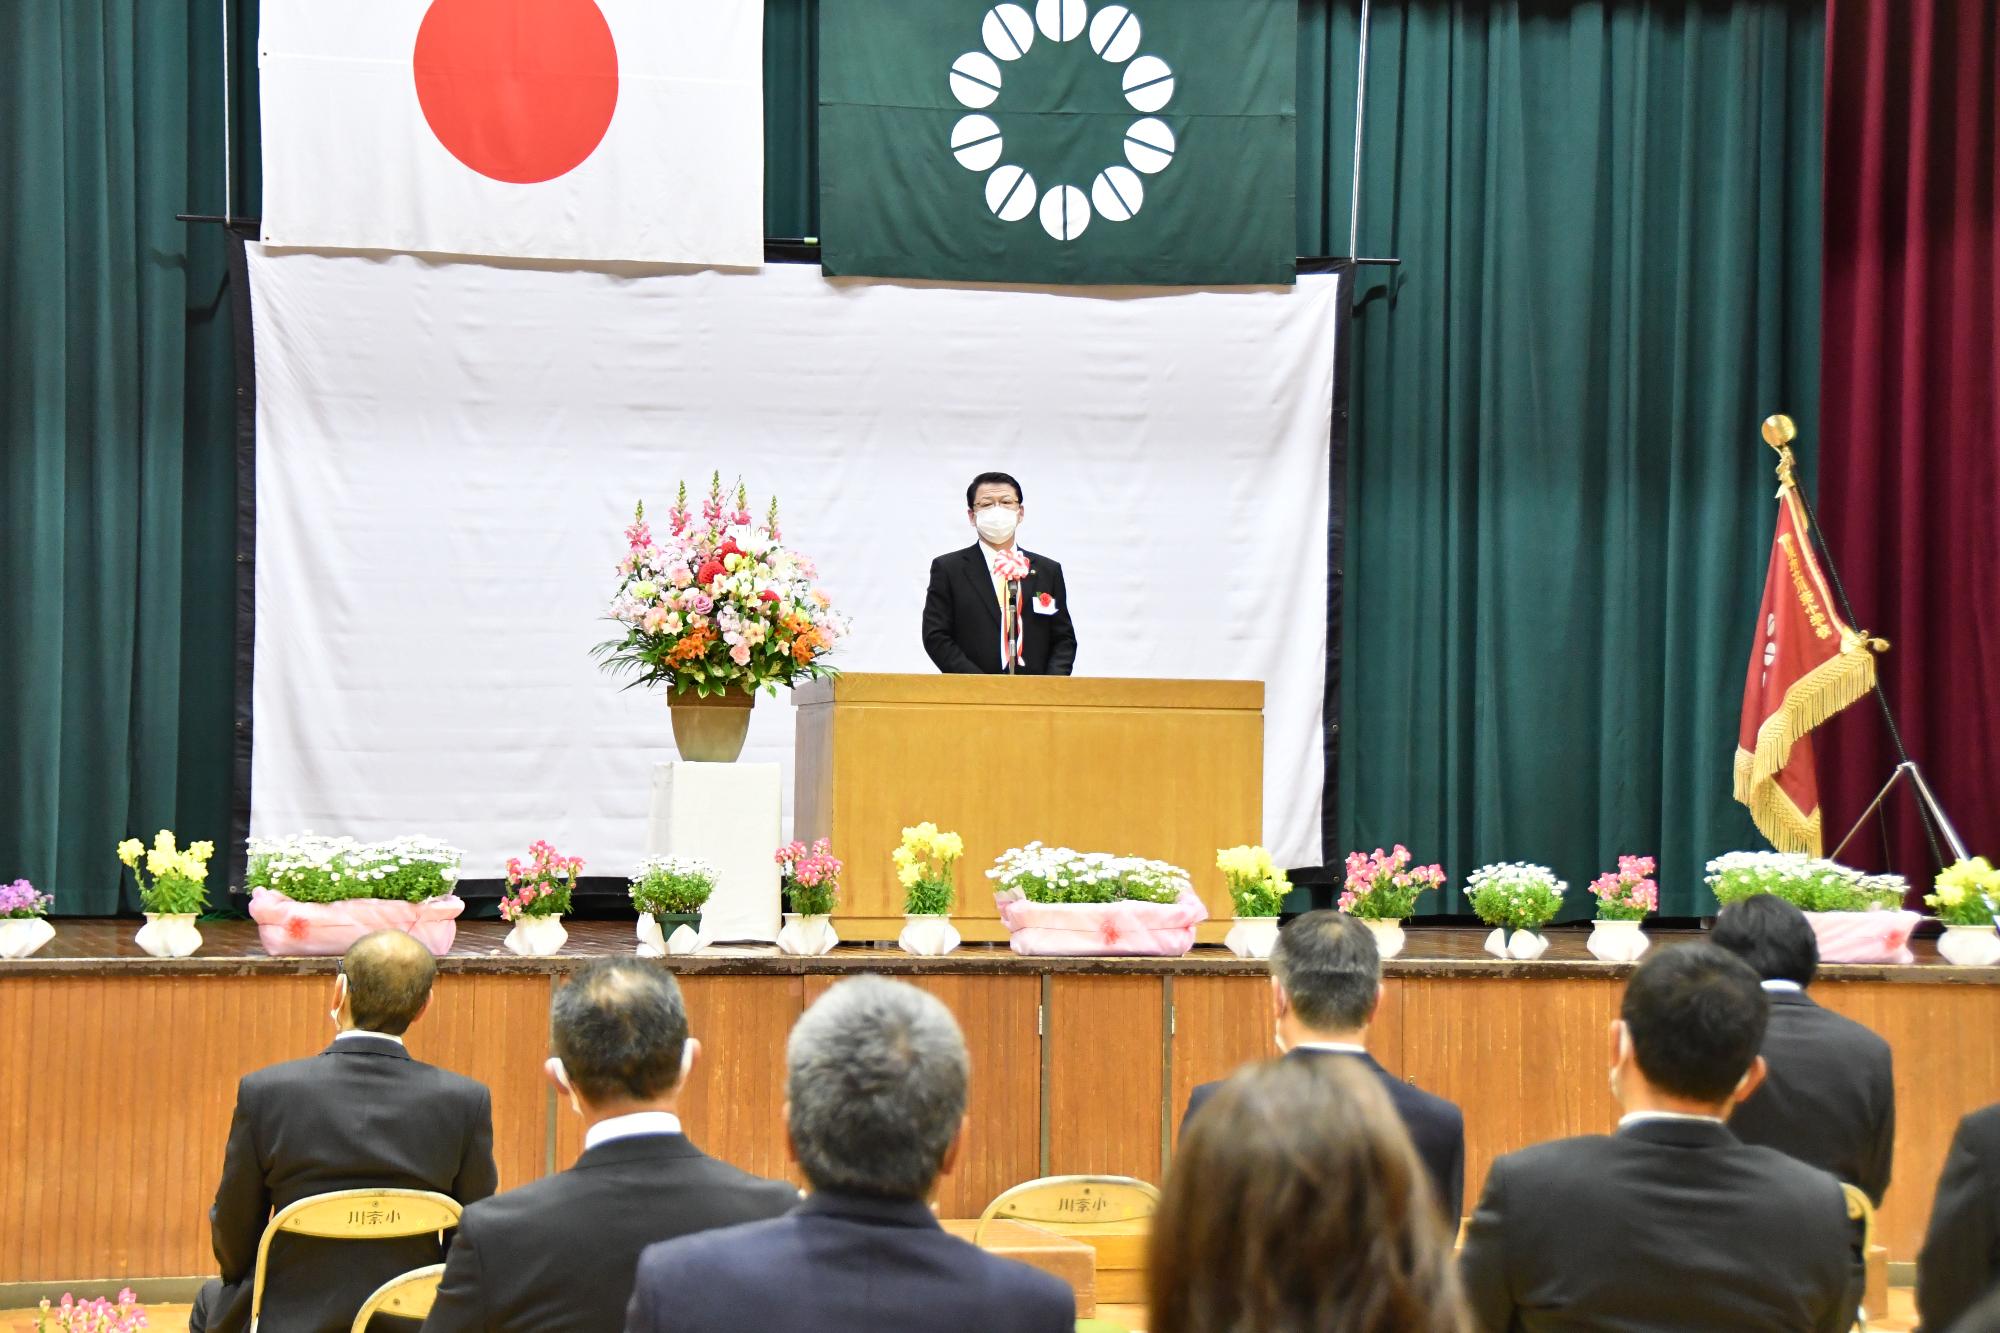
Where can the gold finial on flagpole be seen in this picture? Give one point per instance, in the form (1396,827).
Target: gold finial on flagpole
(1779,432)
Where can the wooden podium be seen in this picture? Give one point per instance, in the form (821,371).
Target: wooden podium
(1171,769)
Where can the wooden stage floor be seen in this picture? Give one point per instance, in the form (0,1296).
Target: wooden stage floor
(122,1069)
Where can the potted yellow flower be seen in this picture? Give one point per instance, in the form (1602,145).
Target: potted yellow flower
(1964,899)
(1258,888)
(174,895)
(924,863)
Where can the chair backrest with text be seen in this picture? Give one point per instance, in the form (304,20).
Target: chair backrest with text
(382,1214)
(1073,1205)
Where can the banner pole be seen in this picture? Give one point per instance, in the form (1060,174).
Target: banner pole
(1779,432)
(1360,113)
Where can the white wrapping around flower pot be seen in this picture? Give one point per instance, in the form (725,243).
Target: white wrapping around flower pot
(1523,946)
(537,936)
(1252,936)
(22,935)
(169,934)
(927,935)
(1618,941)
(1970,946)
(807,935)
(1388,933)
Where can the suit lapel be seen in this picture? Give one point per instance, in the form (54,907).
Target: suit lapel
(981,581)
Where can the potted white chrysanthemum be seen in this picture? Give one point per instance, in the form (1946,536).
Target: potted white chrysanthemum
(1517,899)
(1063,903)
(314,896)
(1856,918)
(670,892)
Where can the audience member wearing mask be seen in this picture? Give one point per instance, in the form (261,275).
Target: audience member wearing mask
(977,620)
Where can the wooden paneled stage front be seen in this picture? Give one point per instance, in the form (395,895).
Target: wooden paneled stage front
(120,1070)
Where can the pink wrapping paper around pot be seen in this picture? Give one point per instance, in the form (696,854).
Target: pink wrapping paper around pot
(1123,929)
(1864,937)
(318,930)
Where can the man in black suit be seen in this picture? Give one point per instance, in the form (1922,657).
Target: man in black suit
(1326,983)
(1960,1261)
(1829,1093)
(1672,1223)
(622,1053)
(973,614)
(359,1115)
(875,1083)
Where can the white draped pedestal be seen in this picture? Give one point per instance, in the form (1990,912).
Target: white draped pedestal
(728,815)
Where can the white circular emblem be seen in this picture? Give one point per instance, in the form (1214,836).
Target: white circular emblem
(1116,191)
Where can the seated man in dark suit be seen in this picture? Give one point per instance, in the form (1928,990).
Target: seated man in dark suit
(1671,1223)
(557,1255)
(1829,1094)
(1960,1261)
(975,619)
(1326,981)
(875,1083)
(359,1115)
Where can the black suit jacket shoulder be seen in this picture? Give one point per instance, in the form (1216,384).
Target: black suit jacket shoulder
(558,1254)
(1666,1225)
(1960,1260)
(962,617)
(1436,1126)
(361,1114)
(1829,1096)
(842,1264)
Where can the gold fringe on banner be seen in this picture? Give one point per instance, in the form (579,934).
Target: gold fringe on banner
(1813,698)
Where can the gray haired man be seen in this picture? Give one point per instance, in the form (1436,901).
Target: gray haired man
(876,1075)
(1326,983)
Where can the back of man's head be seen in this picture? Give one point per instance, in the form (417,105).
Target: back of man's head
(1771,935)
(1330,969)
(876,1074)
(389,976)
(1696,1016)
(621,1031)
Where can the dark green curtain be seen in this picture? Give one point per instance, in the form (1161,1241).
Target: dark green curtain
(1608,220)
(117,475)
(1608,217)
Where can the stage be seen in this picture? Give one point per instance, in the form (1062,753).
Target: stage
(122,1068)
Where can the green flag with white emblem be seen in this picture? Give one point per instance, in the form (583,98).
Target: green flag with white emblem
(1058,141)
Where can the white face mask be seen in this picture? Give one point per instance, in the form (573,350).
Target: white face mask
(996,524)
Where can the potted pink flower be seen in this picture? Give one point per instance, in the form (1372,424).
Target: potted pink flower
(70,1315)
(538,893)
(811,877)
(1625,897)
(24,923)
(1382,891)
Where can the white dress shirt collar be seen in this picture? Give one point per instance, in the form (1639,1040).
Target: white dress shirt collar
(1641,1117)
(630,1126)
(1780,986)
(364,1032)
(1343,1047)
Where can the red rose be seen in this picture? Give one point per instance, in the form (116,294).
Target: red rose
(710,572)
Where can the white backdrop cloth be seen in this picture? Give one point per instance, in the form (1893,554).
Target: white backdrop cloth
(447,454)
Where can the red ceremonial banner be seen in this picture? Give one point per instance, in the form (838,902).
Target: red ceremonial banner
(1805,666)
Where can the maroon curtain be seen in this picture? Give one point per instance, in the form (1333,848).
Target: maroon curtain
(1909,463)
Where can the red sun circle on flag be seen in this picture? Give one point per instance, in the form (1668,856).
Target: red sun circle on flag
(518,90)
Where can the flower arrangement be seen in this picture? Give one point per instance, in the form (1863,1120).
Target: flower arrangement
(811,877)
(924,861)
(672,885)
(1061,875)
(310,869)
(1809,883)
(1256,886)
(99,1316)
(1386,887)
(19,900)
(1965,893)
(179,878)
(1627,893)
(717,602)
(541,886)
(1515,895)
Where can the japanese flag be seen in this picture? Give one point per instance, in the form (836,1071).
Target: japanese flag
(553,129)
